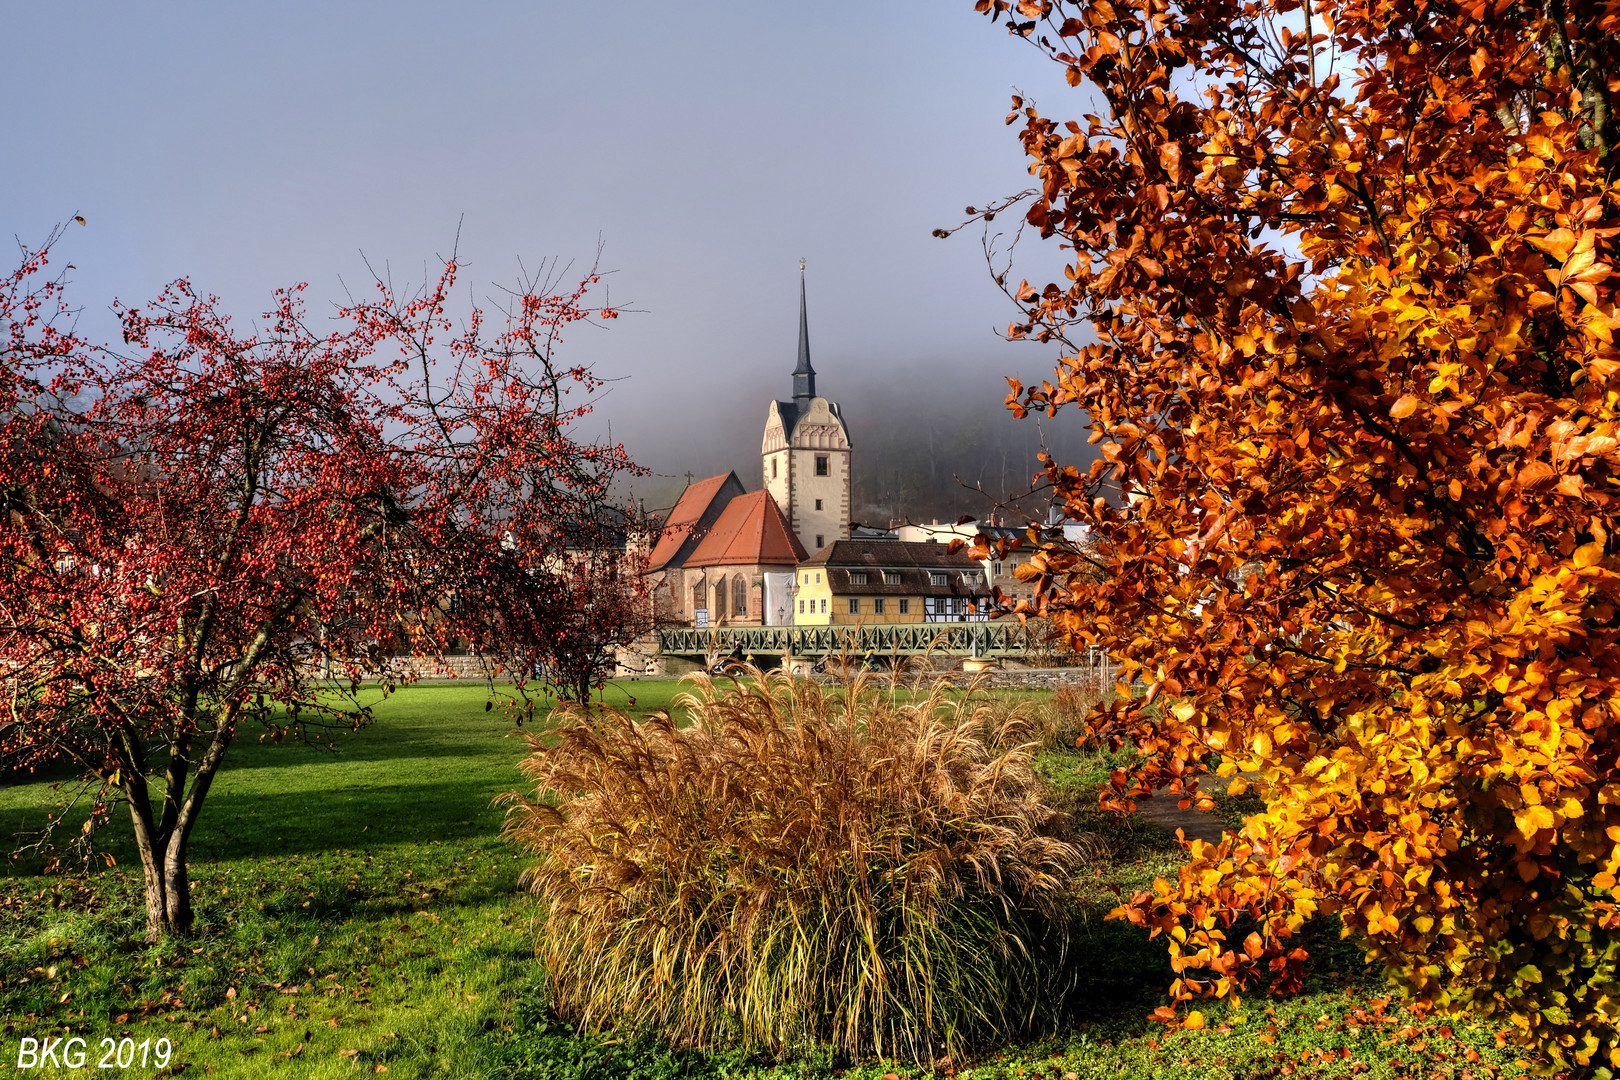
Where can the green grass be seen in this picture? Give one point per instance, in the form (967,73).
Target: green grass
(360,907)
(357,904)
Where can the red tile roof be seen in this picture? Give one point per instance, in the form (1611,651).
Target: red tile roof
(685,518)
(750,531)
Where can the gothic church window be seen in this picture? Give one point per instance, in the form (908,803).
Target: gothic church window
(739,596)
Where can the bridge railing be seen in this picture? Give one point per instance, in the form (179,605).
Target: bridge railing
(905,639)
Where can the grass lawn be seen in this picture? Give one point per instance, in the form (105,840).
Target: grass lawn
(359,913)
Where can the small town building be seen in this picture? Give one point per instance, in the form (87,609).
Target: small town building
(850,582)
(1001,569)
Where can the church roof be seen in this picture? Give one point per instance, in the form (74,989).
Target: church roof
(804,367)
(789,412)
(750,531)
(685,522)
(804,376)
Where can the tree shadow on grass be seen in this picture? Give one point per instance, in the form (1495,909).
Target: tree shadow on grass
(253,824)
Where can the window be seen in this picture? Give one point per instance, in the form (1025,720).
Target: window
(995,568)
(877,605)
(739,596)
(819,546)
(821,464)
(773,468)
(824,605)
(818,504)
(905,606)
(807,579)
(891,577)
(818,576)
(937,579)
(857,577)
(801,607)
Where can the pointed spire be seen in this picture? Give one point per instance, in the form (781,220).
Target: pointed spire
(804,376)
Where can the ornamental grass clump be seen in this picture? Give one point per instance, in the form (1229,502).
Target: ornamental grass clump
(861,867)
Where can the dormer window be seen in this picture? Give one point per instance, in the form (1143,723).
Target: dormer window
(857,577)
(891,577)
(938,579)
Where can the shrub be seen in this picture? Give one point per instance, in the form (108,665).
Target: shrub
(856,867)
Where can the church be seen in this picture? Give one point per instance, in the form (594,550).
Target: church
(806,454)
(727,556)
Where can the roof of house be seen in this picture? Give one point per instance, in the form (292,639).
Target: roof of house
(750,531)
(685,522)
(893,554)
(912,561)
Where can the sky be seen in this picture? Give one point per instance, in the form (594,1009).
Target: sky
(704,147)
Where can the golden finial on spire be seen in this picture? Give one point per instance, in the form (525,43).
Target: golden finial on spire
(801,266)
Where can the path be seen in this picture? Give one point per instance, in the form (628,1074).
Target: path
(1162,811)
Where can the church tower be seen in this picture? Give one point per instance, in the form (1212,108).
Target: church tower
(806,453)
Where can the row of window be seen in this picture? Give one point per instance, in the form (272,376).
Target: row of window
(821,470)
(739,597)
(879,606)
(892,577)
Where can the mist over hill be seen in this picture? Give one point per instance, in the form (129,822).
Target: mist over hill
(925,447)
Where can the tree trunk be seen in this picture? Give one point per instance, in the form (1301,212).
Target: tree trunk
(163,864)
(176,888)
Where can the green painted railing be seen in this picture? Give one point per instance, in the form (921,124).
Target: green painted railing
(883,639)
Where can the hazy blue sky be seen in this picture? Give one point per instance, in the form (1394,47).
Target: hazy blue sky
(709,145)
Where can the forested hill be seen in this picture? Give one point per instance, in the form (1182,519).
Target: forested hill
(917,442)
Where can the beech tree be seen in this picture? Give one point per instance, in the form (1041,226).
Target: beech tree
(1340,314)
(211,530)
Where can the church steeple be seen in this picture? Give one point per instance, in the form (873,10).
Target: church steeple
(804,376)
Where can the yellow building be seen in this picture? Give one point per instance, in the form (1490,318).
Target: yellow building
(850,582)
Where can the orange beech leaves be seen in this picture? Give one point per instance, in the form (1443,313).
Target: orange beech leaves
(1341,314)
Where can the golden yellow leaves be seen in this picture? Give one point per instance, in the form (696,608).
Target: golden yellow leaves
(1532,819)
(1579,269)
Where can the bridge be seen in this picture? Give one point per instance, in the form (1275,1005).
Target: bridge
(1007,638)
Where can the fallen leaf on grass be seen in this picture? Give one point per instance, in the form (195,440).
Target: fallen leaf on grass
(351,1052)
